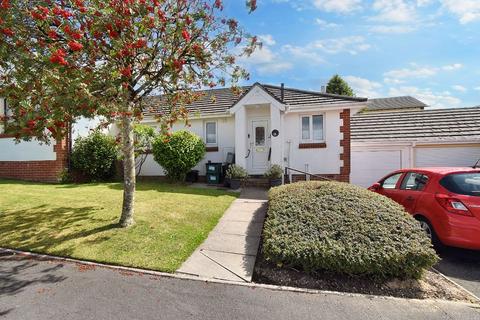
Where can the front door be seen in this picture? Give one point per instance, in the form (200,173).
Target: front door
(259,146)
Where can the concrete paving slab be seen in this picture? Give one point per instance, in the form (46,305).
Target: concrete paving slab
(230,250)
(238,244)
(240,227)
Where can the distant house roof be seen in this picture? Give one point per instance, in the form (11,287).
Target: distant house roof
(440,124)
(217,101)
(395,103)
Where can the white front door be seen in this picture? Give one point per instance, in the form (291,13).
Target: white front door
(259,145)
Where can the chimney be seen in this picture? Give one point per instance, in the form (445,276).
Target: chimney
(282,91)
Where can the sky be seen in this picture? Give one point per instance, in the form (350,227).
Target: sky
(429,49)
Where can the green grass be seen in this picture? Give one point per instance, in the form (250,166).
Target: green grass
(80,221)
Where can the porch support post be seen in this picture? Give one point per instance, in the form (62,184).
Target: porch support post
(276,142)
(241,137)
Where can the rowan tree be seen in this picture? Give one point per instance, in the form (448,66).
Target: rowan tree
(65,59)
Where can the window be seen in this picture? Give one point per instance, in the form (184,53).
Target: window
(211,133)
(414,181)
(462,183)
(260,136)
(312,128)
(391,182)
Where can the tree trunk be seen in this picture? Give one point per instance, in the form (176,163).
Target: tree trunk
(129,177)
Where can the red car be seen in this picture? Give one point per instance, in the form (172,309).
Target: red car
(446,201)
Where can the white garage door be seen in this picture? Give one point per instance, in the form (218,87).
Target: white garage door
(447,156)
(370,165)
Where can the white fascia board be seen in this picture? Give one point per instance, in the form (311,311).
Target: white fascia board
(257,95)
(391,142)
(354,107)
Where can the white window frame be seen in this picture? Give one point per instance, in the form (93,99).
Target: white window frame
(310,116)
(216,133)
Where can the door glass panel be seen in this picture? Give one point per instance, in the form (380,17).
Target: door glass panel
(305,128)
(259,136)
(317,127)
(391,182)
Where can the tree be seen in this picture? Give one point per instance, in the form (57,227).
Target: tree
(62,59)
(337,85)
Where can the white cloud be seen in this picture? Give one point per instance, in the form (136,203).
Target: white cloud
(417,72)
(364,87)
(352,45)
(454,66)
(267,39)
(394,11)
(459,88)
(476,88)
(325,24)
(466,10)
(264,60)
(431,98)
(303,53)
(339,6)
(392,29)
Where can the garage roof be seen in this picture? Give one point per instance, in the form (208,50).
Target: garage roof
(215,101)
(440,124)
(404,103)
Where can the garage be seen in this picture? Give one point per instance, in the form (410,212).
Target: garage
(388,141)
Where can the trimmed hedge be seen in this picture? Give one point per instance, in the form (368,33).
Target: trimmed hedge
(178,153)
(94,156)
(338,227)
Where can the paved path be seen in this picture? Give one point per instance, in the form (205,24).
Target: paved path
(230,250)
(462,266)
(31,290)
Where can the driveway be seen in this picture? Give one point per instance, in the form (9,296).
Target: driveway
(463,266)
(33,289)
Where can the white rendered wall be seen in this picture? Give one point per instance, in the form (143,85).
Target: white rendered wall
(25,151)
(319,160)
(225,141)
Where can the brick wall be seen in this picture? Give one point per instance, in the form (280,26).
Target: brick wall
(41,171)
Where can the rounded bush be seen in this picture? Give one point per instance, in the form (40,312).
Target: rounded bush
(341,228)
(178,153)
(94,156)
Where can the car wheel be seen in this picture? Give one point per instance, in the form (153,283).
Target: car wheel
(429,231)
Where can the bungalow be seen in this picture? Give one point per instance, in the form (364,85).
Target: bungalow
(303,130)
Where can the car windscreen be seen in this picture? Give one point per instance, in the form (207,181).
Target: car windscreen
(462,183)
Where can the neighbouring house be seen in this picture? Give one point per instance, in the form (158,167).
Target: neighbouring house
(401,138)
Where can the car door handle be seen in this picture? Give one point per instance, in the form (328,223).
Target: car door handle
(410,198)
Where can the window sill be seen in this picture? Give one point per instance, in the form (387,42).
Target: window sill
(211,149)
(315,145)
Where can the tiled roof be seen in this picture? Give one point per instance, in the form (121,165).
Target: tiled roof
(440,124)
(217,101)
(394,103)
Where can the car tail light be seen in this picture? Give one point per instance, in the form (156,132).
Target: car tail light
(453,205)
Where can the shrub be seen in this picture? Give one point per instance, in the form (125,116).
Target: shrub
(94,156)
(337,227)
(236,172)
(275,172)
(178,153)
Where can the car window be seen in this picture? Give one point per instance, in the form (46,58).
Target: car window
(391,182)
(462,183)
(414,181)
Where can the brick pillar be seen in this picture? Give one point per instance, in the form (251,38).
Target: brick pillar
(346,144)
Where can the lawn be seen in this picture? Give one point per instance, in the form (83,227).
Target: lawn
(79,221)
